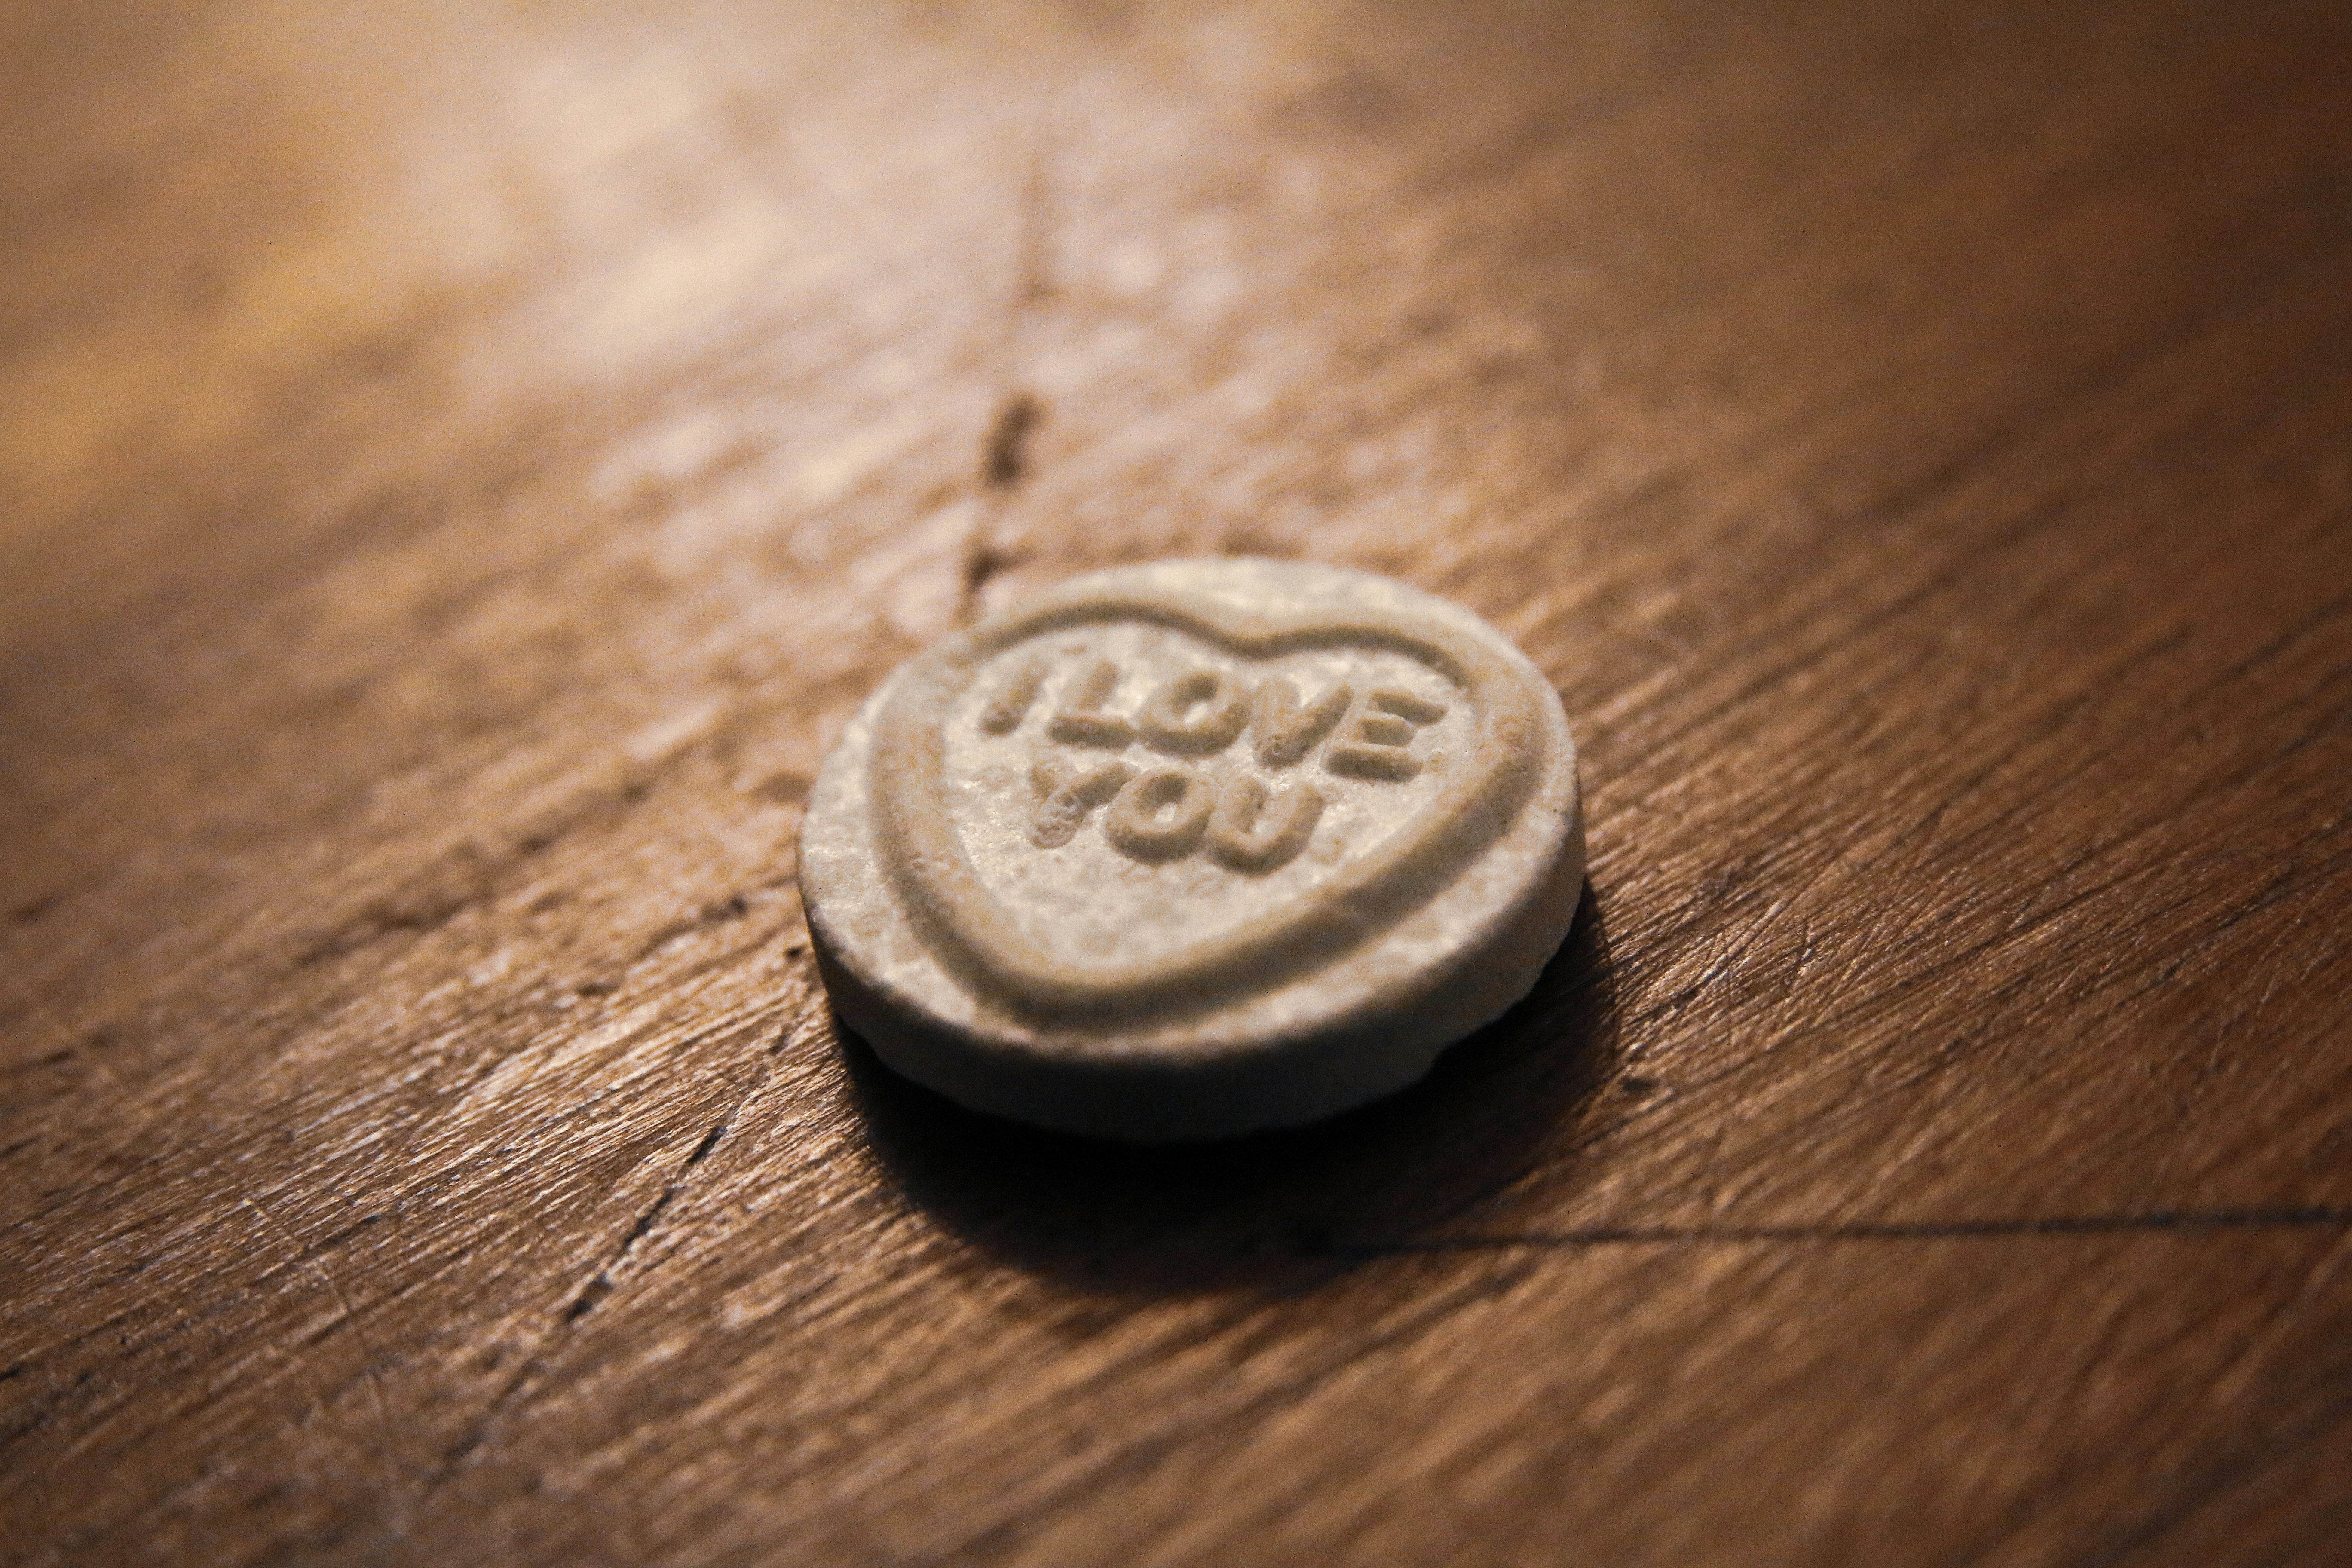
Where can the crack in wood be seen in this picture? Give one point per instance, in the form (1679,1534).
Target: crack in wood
(2156,1222)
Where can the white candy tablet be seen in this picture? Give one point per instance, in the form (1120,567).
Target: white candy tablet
(1193,849)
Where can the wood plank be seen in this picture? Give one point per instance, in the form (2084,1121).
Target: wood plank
(456,473)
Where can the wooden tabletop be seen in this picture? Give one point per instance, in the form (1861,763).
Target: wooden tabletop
(459,465)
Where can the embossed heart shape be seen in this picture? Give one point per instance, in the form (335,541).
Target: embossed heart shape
(970,929)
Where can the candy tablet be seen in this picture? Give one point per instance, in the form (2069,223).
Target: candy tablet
(1193,849)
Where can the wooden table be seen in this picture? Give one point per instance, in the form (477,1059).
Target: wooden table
(463,463)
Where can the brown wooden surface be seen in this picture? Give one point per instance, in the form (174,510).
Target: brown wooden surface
(462,464)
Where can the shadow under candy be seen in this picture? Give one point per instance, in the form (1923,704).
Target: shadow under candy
(1258,1210)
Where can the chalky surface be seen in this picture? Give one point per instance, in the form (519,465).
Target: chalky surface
(1193,849)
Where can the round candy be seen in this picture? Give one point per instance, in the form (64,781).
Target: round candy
(1193,849)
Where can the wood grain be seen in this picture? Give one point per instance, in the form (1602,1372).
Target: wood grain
(460,467)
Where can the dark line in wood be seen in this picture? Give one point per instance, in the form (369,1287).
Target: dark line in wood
(32,909)
(1039,212)
(709,1141)
(601,1287)
(1006,462)
(2155,1221)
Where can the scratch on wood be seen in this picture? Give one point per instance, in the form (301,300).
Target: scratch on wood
(601,1286)
(314,1259)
